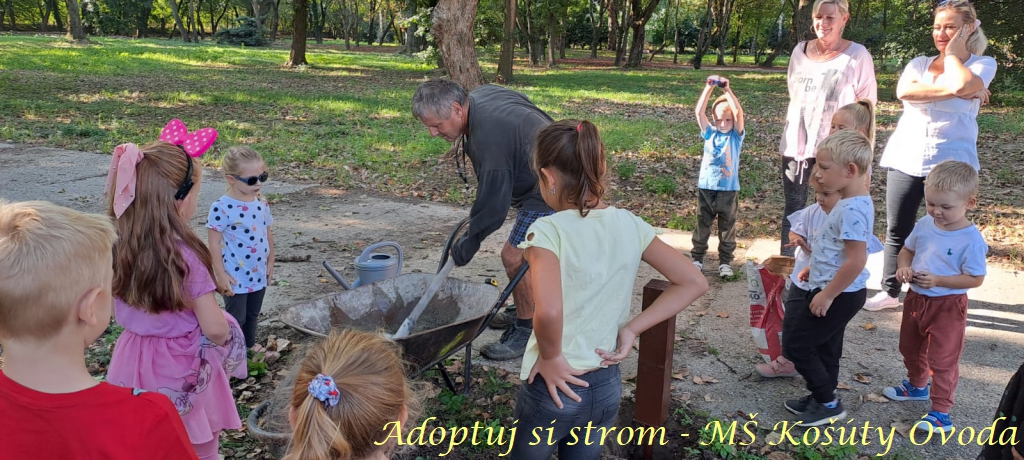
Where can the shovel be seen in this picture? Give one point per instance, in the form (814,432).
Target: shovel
(406,327)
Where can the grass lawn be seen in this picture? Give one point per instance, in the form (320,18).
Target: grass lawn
(345,120)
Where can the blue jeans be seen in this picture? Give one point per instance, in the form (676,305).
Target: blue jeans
(542,423)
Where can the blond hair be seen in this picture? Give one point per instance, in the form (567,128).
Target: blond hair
(369,374)
(863,114)
(237,156)
(977,41)
(849,146)
(51,255)
(719,101)
(842,5)
(953,176)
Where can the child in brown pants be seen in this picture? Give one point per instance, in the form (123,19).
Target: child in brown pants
(943,257)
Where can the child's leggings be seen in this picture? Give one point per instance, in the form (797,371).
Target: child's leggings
(547,427)
(246,310)
(209,450)
(815,343)
(932,339)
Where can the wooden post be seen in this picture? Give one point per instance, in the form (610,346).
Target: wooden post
(654,367)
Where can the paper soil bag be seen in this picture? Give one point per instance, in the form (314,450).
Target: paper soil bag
(766,309)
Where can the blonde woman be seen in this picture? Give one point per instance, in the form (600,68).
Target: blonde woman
(941,97)
(825,74)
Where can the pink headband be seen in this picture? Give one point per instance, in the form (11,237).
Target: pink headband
(195,144)
(122,167)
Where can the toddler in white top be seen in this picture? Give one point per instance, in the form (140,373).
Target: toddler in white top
(943,258)
(238,228)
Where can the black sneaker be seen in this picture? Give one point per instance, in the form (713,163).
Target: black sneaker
(798,406)
(504,318)
(511,345)
(817,414)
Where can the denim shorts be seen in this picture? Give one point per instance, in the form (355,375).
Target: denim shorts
(546,426)
(524,218)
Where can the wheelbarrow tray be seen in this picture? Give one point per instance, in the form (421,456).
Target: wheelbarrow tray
(450,321)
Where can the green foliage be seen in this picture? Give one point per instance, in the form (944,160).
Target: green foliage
(246,32)
(817,452)
(257,365)
(661,185)
(684,223)
(625,170)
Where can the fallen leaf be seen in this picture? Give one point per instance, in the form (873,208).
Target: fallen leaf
(704,379)
(869,326)
(874,397)
(708,398)
(722,314)
(779,456)
(903,427)
(862,378)
(677,375)
(843,386)
(685,397)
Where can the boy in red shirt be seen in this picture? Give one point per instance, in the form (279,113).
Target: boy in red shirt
(55,284)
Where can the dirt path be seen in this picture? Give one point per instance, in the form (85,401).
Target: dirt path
(324,223)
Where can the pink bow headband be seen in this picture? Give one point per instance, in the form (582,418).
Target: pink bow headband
(122,173)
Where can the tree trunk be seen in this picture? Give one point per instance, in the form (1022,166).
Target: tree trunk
(799,30)
(299,19)
(75,30)
(620,45)
(702,37)
(641,14)
(356,19)
(177,18)
(410,30)
(736,44)
(552,37)
(508,44)
(675,40)
(613,24)
(197,31)
(452,25)
(275,21)
(724,20)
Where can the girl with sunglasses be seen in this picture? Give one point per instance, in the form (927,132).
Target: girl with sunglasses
(240,239)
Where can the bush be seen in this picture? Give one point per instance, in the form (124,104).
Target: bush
(247,32)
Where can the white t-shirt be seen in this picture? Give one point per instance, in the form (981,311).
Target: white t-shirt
(807,222)
(598,257)
(817,90)
(244,246)
(930,132)
(852,219)
(943,253)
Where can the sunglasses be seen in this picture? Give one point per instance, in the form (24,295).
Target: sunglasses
(250,181)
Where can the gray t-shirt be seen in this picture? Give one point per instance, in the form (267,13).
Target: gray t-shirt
(852,219)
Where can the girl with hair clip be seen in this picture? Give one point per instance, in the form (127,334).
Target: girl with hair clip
(176,340)
(349,387)
(858,116)
(583,263)
(941,96)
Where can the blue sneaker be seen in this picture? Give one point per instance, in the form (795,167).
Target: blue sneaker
(907,392)
(934,422)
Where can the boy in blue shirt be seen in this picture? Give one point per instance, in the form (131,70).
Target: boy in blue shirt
(943,257)
(719,183)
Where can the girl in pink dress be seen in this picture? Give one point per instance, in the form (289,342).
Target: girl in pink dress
(176,340)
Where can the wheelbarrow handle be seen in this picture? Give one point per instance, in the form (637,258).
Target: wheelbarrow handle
(503,297)
(450,242)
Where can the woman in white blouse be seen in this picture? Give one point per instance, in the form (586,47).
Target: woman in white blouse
(824,74)
(941,96)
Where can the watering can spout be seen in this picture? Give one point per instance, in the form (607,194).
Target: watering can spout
(372,267)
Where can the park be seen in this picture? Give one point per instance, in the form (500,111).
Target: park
(351,166)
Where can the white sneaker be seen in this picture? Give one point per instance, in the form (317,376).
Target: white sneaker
(725,271)
(699,265)
(881,301)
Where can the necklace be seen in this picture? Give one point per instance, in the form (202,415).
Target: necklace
(817,47)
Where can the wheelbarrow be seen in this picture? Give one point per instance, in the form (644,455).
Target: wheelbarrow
(457,315)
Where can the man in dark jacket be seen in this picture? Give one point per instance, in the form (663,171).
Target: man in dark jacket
(496,128)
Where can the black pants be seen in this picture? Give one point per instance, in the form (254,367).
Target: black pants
(814,343)
(794,187)
(721,204)
(246,310)
(903,196)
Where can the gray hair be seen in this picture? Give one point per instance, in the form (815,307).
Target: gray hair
(435,98)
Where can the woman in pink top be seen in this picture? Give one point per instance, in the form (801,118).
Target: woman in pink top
(824,74)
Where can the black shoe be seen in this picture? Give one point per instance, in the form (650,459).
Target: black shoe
(817,414)
(798,406)
(511,345)
(504,318)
